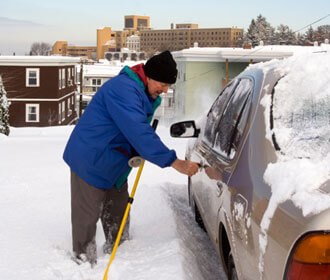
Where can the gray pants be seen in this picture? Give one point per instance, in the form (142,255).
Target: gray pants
(88,204)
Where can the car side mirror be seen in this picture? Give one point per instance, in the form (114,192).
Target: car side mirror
(184,129)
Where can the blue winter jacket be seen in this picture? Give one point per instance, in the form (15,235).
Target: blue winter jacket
(115,121)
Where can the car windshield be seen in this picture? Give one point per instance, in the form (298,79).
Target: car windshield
(301,117)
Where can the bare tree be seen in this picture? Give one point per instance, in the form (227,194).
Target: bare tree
(40,48)
(150,52)
(166,47)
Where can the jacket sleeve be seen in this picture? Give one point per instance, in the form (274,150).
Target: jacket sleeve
(126,106)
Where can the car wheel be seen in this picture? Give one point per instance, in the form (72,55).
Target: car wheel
(194,207)
(232,273)
(198,217)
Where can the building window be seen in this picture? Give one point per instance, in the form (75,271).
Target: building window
(69,107)
(59,113)
(70,77)
(59,78)
(63,78)
(32,112)
(32,77)
(63,110)
(96,82)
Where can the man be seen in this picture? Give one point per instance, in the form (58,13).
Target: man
(115,124)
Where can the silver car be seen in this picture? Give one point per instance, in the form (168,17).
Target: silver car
(262,191)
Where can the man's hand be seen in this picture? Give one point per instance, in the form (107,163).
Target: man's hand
(185,167)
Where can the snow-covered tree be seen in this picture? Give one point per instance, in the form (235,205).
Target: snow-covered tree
(309,36)
(259,30)
(285,36)
(4,110)
(301,38)
(322,33)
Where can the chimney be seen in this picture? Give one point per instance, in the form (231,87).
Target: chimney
(172,25)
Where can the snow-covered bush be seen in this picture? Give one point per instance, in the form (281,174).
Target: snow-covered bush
(4,110)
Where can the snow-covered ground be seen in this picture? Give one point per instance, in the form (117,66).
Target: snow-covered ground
(166,243)
(35,232)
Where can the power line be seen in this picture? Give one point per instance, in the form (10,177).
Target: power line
(312,23)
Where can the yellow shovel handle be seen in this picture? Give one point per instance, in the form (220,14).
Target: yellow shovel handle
(124,220)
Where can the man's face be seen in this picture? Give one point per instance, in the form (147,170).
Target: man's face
(155,88)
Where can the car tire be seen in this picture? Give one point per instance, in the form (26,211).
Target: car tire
(194,207)
(232,273)
(198,217)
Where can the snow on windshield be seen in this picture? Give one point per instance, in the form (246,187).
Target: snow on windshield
(302,129)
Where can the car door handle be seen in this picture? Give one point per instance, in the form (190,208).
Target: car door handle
(201,165)
(220,188)
(220,185)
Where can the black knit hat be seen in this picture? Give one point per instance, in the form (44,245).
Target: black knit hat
(161,68)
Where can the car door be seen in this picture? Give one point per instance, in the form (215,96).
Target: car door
(204,148)
(222,159)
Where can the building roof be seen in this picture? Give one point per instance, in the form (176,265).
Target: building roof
(107,68)
(101,70)
(38,60)
(257,54)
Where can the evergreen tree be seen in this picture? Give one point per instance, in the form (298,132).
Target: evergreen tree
(285,36)
(301,38)
(322,33)
(250,36)
(260,30)
(4,110)
(309,36)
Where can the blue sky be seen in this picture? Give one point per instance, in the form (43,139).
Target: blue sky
(77,21)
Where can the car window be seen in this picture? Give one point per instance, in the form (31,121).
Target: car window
(213,117)
(233,121)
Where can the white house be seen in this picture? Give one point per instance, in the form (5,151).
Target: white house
(203,72)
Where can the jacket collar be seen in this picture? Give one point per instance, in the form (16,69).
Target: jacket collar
(138,70)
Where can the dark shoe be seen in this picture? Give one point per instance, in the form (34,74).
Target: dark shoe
(107,247)
(79,258)
(91,254)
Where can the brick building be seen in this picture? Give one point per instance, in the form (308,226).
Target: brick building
(41,89)
(185,35)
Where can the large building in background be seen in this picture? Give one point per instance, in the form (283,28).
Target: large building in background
(139,37)
(137,22)
(133,43)
(185,35)
(62,48)
(107,40)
